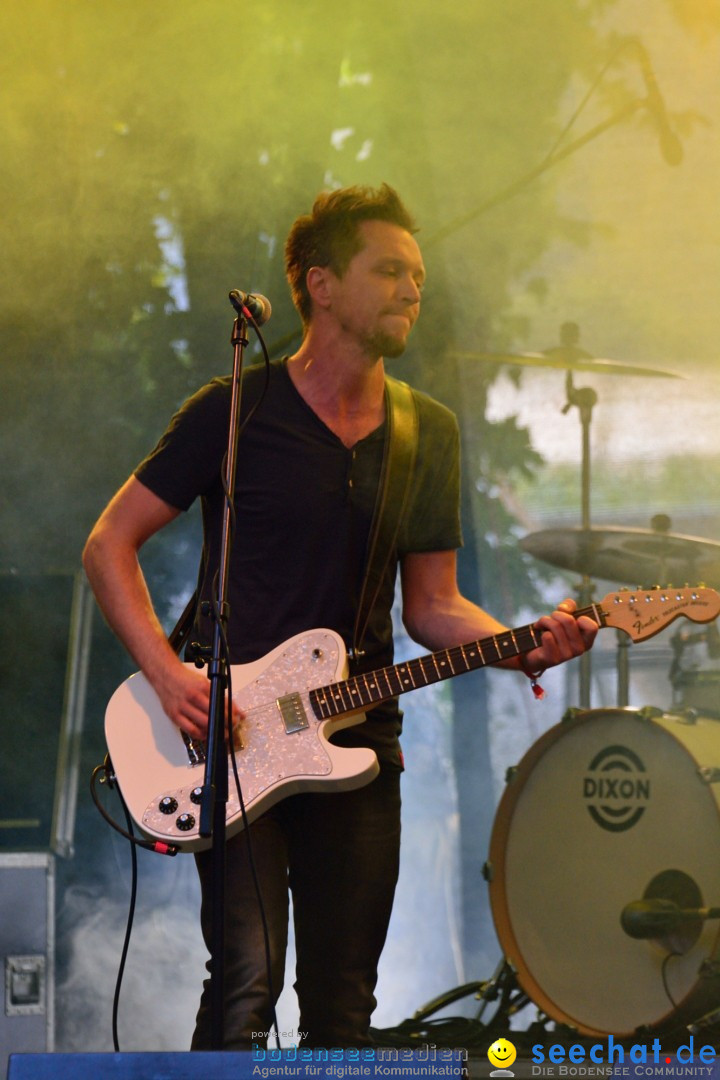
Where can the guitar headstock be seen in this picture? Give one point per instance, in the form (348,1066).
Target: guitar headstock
(641,613)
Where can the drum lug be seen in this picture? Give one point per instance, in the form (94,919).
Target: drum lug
(684,716)
(571,714)
(488,871)
(709,774)
(650,712)
(510,774)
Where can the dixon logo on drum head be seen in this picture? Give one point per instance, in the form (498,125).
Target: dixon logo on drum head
(616,788)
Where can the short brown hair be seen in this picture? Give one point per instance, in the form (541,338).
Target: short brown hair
(329,234)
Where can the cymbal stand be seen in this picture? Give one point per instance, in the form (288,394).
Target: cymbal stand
(584,399)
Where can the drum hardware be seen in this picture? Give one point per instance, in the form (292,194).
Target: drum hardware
(570,357)
(697,691)
(550,904)
(633,556)
(600,805)
(573,714)
(687,716)
(424,1026)
(670,914)
(709,1020)
(681,640)
(693,686)
(510,774)
(567,356)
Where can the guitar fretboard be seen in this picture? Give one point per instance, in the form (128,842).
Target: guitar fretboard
(362,691)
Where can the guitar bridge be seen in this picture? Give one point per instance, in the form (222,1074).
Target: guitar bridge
(293,713)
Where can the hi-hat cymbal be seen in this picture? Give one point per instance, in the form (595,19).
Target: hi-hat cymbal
(567,360)
(634,556)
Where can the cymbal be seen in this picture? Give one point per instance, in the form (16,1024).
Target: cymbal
(634,556)
(567,359)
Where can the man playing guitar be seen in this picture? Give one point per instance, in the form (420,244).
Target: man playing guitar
(307,483)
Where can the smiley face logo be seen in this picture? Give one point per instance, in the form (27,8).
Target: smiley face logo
(501,1054)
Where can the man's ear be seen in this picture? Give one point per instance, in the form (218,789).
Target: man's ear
(318,285)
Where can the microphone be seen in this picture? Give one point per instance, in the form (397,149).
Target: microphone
(650,918)
(254,305)
(656,918)
(670,145)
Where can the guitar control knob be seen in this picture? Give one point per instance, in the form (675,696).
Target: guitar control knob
(168,805)
(185,822)
(196,795)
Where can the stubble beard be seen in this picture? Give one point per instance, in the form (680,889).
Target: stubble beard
(381,344)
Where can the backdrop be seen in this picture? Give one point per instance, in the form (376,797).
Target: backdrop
(562,159)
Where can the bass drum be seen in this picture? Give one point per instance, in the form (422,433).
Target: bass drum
(609,807)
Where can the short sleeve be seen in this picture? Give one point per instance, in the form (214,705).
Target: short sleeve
(187,460)
(432,522)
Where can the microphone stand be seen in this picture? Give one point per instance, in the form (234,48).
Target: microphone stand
(213,805)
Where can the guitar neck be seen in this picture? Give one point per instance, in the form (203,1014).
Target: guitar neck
(374,687)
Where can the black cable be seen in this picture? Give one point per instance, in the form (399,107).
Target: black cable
(159,847)
(170,849)
(128,929)
(663,971)
(135,843)
(469,1032)
(246,421)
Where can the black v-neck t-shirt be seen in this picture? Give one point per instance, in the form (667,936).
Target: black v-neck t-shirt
(304,504)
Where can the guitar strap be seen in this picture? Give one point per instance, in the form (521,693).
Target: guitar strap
(180,633)
(400,452)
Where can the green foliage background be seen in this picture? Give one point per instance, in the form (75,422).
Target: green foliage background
(218,126)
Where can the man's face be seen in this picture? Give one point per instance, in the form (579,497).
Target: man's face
(377,299)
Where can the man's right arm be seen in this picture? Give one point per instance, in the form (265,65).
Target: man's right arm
(113,569)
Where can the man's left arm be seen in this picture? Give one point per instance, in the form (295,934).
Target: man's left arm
(438,616)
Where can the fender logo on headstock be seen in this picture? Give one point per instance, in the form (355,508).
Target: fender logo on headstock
(643,613)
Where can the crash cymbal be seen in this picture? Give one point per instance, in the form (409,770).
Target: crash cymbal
(634,556)
(567,360)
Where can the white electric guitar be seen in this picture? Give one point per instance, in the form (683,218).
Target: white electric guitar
(296,697)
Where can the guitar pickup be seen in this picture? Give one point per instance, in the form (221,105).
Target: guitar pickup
(293,713)
(195,750)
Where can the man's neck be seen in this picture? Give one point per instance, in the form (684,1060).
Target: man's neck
(344,387)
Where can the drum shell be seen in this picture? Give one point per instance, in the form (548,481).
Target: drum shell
(597,808)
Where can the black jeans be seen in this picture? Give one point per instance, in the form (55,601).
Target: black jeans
(339,855)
